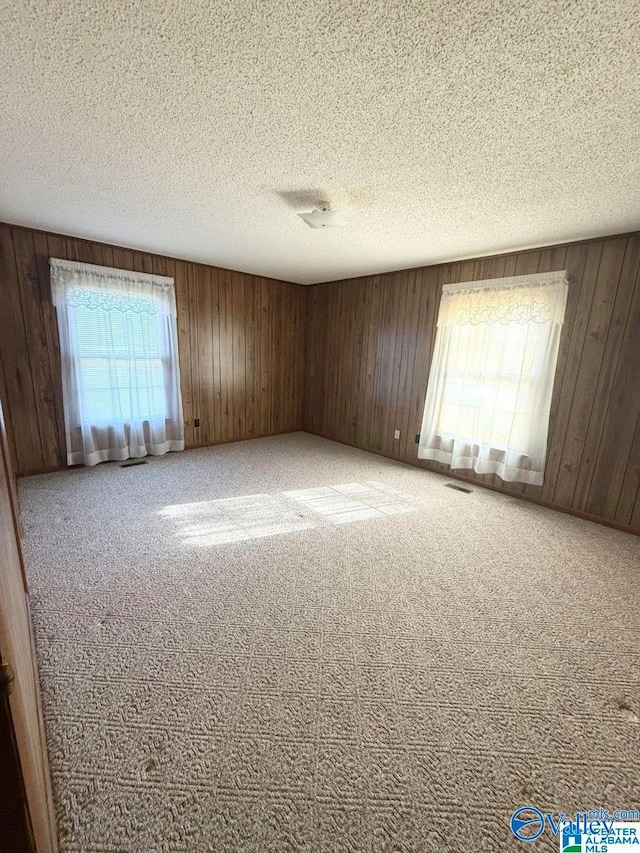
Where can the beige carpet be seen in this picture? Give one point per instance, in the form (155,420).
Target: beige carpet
(290,645)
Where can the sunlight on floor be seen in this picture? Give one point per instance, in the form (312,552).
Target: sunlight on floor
(235,519)
(353,501)
(261,515)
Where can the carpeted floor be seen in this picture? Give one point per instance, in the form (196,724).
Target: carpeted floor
(289,645)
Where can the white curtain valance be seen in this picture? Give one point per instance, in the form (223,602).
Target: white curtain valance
(537,298)
(93,286)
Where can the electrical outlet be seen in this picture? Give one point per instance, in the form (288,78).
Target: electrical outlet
(196,422)
(417,438)
(396,433)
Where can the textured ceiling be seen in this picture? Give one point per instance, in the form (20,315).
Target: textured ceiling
(199,129)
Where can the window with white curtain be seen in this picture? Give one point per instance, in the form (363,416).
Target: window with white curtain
(491,379)
(119,352)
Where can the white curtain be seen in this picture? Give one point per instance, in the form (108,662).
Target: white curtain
(491,379)
(119,350)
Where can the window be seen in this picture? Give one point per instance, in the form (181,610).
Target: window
(118,342)
(489,393)
(120,364)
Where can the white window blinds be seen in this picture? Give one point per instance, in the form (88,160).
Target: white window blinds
(491,379)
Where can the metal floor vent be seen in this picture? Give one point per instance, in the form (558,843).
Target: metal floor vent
(458,488)
(131,462)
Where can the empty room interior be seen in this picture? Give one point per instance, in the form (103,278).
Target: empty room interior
(320,426)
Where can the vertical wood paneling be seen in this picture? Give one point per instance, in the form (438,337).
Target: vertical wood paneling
(239,349)
(392,444)
(245,369)
(181,279)
(412,315)
(605,283)
(616,473)
(216,367)
(36,339)
(48,246)
(194,349)
(568,360)
(235,377)
(265,356)
(226,354)
(274,347)
(626,501)
(251,319)
(21,408)
(377,365)
(612,334)
(361,361)
(428,294)
(311,366)
(204,313)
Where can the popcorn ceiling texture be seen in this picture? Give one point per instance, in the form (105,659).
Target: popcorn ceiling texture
(291,645)
(198,129)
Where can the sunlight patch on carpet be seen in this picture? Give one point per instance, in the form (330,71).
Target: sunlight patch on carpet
(257,516)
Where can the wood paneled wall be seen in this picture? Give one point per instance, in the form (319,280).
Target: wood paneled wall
(369,346)
(241,342)
(368,349)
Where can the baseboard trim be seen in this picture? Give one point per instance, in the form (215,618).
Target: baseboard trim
(246,438)
(596,519)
